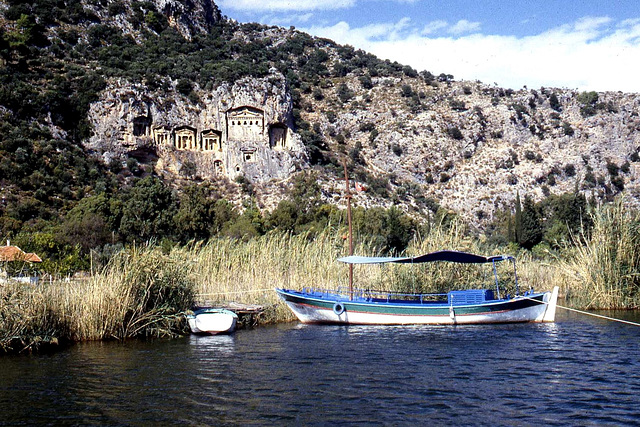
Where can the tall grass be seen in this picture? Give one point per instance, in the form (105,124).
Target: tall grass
(141,292)
(145,292)
(228,270)
(604,272)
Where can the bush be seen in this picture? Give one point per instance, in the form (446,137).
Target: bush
(569,170)
(406,91)
(554,103)
(618,182)
(457,105)
(567,129)
(365,81)
(455,133)
(344,93)
(588,101)
(612,168)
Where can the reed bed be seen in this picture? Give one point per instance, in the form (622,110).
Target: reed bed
(146,292)
(228,270)
(141,292)
(604,269)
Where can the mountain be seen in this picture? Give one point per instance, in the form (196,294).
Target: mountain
(96,94)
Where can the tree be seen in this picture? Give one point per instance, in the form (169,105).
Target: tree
(195,216)
(88,224)
(285,216)
(568,216)
(531,224)
(148,211)
(518,219)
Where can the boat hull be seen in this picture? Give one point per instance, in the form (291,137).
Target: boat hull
(313,308)
(212,321)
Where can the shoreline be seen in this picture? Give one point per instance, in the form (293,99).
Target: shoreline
(145,291)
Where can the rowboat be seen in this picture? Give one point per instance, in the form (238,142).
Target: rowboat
(456,307)
(212,321)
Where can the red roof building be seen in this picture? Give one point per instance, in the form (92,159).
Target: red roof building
(14,253)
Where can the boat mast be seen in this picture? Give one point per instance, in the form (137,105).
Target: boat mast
(348,197)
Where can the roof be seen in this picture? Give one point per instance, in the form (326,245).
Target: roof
(14,253)
(452,256)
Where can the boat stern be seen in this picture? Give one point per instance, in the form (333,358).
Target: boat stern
(552,303)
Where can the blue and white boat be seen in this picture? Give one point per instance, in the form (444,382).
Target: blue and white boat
(456,307)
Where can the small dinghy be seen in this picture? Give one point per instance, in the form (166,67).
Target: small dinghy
(212,321)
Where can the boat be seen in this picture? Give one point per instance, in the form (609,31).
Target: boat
(212,321)
(455,307)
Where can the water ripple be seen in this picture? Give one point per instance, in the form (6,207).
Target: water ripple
(576,371)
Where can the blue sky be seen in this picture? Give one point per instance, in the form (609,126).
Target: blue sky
(585,45)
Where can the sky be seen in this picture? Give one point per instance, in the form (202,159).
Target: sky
(573,44)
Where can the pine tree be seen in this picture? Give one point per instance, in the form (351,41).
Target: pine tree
(531,224)
(518,219)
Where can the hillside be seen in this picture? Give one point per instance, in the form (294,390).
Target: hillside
(96,95)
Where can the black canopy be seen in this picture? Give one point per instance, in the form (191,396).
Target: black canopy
(451,256)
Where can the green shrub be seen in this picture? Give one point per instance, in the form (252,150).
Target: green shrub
(455,133)
(554,103)
(344,93)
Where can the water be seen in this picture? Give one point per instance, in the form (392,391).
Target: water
(578,371)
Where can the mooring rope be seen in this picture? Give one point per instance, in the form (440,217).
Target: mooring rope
(628,322)
(613,319)
(235,292)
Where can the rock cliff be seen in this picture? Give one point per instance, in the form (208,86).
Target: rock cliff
(205,136)
(411,137)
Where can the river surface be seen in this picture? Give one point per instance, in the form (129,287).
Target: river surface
(577,371)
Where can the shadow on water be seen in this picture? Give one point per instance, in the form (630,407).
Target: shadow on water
(575,371)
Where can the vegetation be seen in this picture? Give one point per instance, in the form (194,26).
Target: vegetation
(141,292)
(138,237)
(146,291)
(604,270)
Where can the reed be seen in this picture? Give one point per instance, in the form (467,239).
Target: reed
(604,271)
(227,270)
(145,292)
(141,292)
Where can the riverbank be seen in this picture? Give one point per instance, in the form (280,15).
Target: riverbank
(145,292)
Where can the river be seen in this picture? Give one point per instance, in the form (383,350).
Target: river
(577,371)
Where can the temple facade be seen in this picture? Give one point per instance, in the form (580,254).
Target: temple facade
(244,140)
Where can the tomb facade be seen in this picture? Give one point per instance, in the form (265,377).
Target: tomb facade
(211,140)
(161,135)
(185,138)
(142,126)
(278,136)
(245,124)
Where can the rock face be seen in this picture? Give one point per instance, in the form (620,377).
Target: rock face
(467,145)
(188,17)
(240,129)
(472,147)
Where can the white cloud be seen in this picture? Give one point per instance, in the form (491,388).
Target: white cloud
(283,5)
(287,20)
(593,53)
(464,26)
(434,26)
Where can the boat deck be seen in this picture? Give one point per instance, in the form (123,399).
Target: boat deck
(455,298)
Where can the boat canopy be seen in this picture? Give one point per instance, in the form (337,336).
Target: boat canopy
(452,256)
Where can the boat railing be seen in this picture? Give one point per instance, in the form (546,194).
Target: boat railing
(370,295)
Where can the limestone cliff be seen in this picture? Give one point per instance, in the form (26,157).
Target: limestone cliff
(473,146)
(236,129)
(467,145)
(188,17)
